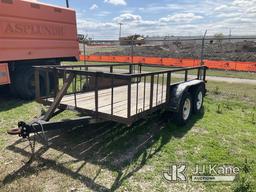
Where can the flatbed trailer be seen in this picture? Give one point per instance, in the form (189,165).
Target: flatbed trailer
(122,93)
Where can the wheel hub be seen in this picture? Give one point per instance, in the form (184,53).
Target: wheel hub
(186,109)
(199,100)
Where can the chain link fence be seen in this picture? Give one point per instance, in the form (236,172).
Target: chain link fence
(216,52)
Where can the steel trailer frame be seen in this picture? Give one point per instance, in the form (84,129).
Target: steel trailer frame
(72,81)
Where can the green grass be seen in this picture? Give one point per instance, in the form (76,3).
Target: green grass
(234,74)
(93,50)
(242,93)
(13,110)
(133,159)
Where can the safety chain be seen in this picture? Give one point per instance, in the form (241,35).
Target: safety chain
(32,144)
(43,136)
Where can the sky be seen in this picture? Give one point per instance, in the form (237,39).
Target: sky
(99,18)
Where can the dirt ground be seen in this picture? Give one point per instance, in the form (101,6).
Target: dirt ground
(113,157)
(228,51)
(81,159)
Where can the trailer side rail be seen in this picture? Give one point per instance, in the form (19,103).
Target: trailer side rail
(119,92)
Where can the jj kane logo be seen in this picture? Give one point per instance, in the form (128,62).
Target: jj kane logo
(176,173)
(201,173)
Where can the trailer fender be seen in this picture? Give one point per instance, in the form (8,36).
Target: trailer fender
(178,90)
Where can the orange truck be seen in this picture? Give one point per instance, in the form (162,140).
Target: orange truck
(33,33)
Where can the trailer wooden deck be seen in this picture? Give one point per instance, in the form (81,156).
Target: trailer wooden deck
(120,97)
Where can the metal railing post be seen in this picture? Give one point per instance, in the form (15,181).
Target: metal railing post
(186,75)
(168,82)
(56,81)
(59,97)
(152,91)
(37,84)
(129,98)
(96,94)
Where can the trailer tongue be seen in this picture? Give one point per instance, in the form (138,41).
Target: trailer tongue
(24,130)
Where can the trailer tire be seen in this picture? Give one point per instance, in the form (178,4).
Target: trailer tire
(185,110)
(198,99)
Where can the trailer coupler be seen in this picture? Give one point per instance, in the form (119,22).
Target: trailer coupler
(24,130)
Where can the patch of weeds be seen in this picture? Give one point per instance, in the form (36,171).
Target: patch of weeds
(250,117)
(219,109)
(1,143)
(228,106)
(245,95)
(244,182)
(217,91)
(43,110)
(253,118)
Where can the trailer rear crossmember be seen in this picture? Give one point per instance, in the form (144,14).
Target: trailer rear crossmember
(122,93)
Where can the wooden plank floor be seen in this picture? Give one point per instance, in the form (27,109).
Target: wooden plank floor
(120,99)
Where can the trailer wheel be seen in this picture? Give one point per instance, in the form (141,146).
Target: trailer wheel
(185,109)
(198,99)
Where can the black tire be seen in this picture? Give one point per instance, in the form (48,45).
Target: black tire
(23,84)
(179,117)
(14,82)
(198,99)
(20,82)
(27,84)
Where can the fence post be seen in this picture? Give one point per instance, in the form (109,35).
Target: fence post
(202,49)
(132,50)
(84,52)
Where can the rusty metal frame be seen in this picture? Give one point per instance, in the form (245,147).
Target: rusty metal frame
(56,107)
(77,71)
(58,98)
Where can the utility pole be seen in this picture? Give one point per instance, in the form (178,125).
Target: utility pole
(67,3)
(120,30)
(230,34)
